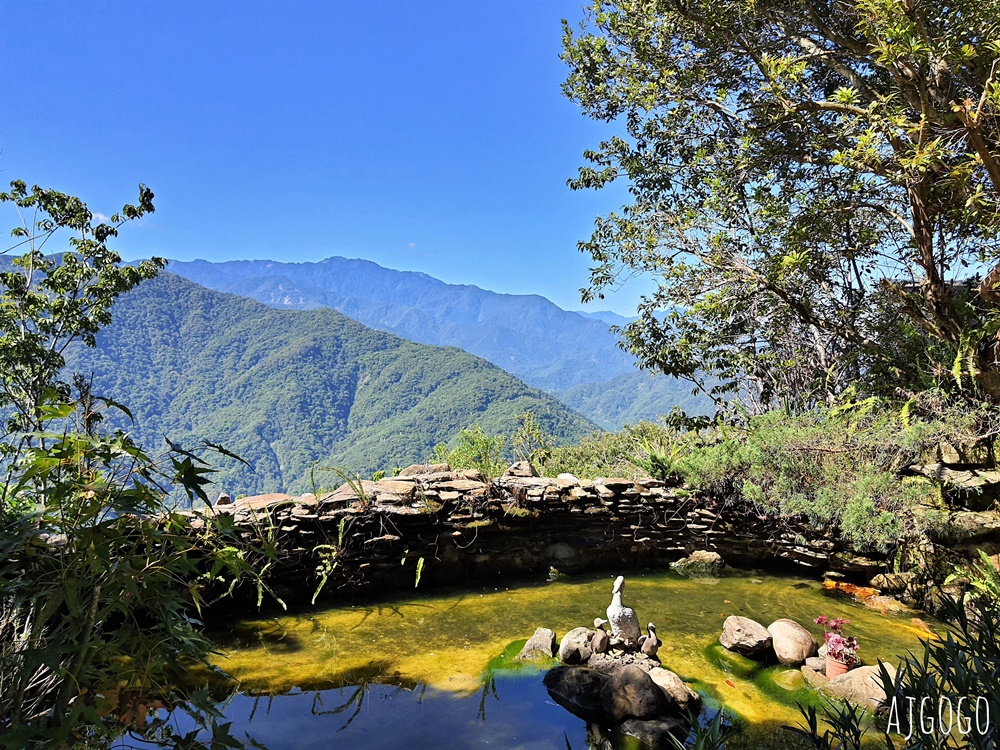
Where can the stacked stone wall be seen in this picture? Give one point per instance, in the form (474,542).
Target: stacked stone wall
(468,530)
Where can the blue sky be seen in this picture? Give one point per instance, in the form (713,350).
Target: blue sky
(420,134)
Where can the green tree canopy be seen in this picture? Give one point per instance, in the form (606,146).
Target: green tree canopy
(813,183)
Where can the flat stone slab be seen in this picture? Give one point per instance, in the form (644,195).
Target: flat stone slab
(419,470)
(401,489)
(459,485)
(259,502)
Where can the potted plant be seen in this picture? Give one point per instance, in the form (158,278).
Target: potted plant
(841,652)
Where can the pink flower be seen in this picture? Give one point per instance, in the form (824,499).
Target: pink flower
(838,647)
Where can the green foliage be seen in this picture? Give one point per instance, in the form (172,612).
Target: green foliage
(476,450)
(100,606)
(100,583)
(710,736)
(48,304)
(329,557)
(810,185)
(983,578)
(530,442)
(286,388)
(420,570)
(611,454)
(352,480)
(839,471)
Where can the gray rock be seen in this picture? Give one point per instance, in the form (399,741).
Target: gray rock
(567,477)
(861,686)
(418,470)
(792,643)
(631,694)
(541,645)
(817,663)
(578,690)
(562,554)
(893,583)
(745,636)
(701,561)
(575,646)
(680,696)
(223,499)
(521,469)
(816,679)
(968,526)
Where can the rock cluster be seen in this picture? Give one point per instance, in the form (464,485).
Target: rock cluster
(615,684)
(791,644)
(784,640)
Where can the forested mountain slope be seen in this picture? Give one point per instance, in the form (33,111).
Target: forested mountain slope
(285,388)
(527,335)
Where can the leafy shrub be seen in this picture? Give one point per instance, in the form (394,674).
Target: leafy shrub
(611,454)
(475,450)
(100,585)
(838,469)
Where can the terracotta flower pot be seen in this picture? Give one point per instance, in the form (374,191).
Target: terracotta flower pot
(835,668)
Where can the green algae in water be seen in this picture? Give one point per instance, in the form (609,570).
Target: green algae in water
(450,641)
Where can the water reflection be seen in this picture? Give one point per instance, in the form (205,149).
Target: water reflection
(511,711)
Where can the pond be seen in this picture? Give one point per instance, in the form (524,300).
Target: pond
(437,671)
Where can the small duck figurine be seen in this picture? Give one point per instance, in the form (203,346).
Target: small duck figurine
(624,623)
(601,640)
(650,644)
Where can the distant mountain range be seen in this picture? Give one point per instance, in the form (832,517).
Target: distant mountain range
(285,388)
(571,355)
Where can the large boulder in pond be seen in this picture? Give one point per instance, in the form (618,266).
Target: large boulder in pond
(578,690)
(700,561)
(630,693)
(575,646)
(745,636)
(792,643)
(861,686)
(541,645)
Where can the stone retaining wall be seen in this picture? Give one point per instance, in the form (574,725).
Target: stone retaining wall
(468,530)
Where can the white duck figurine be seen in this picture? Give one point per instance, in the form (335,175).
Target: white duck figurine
(601,640)
(624,623)
(650,644)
